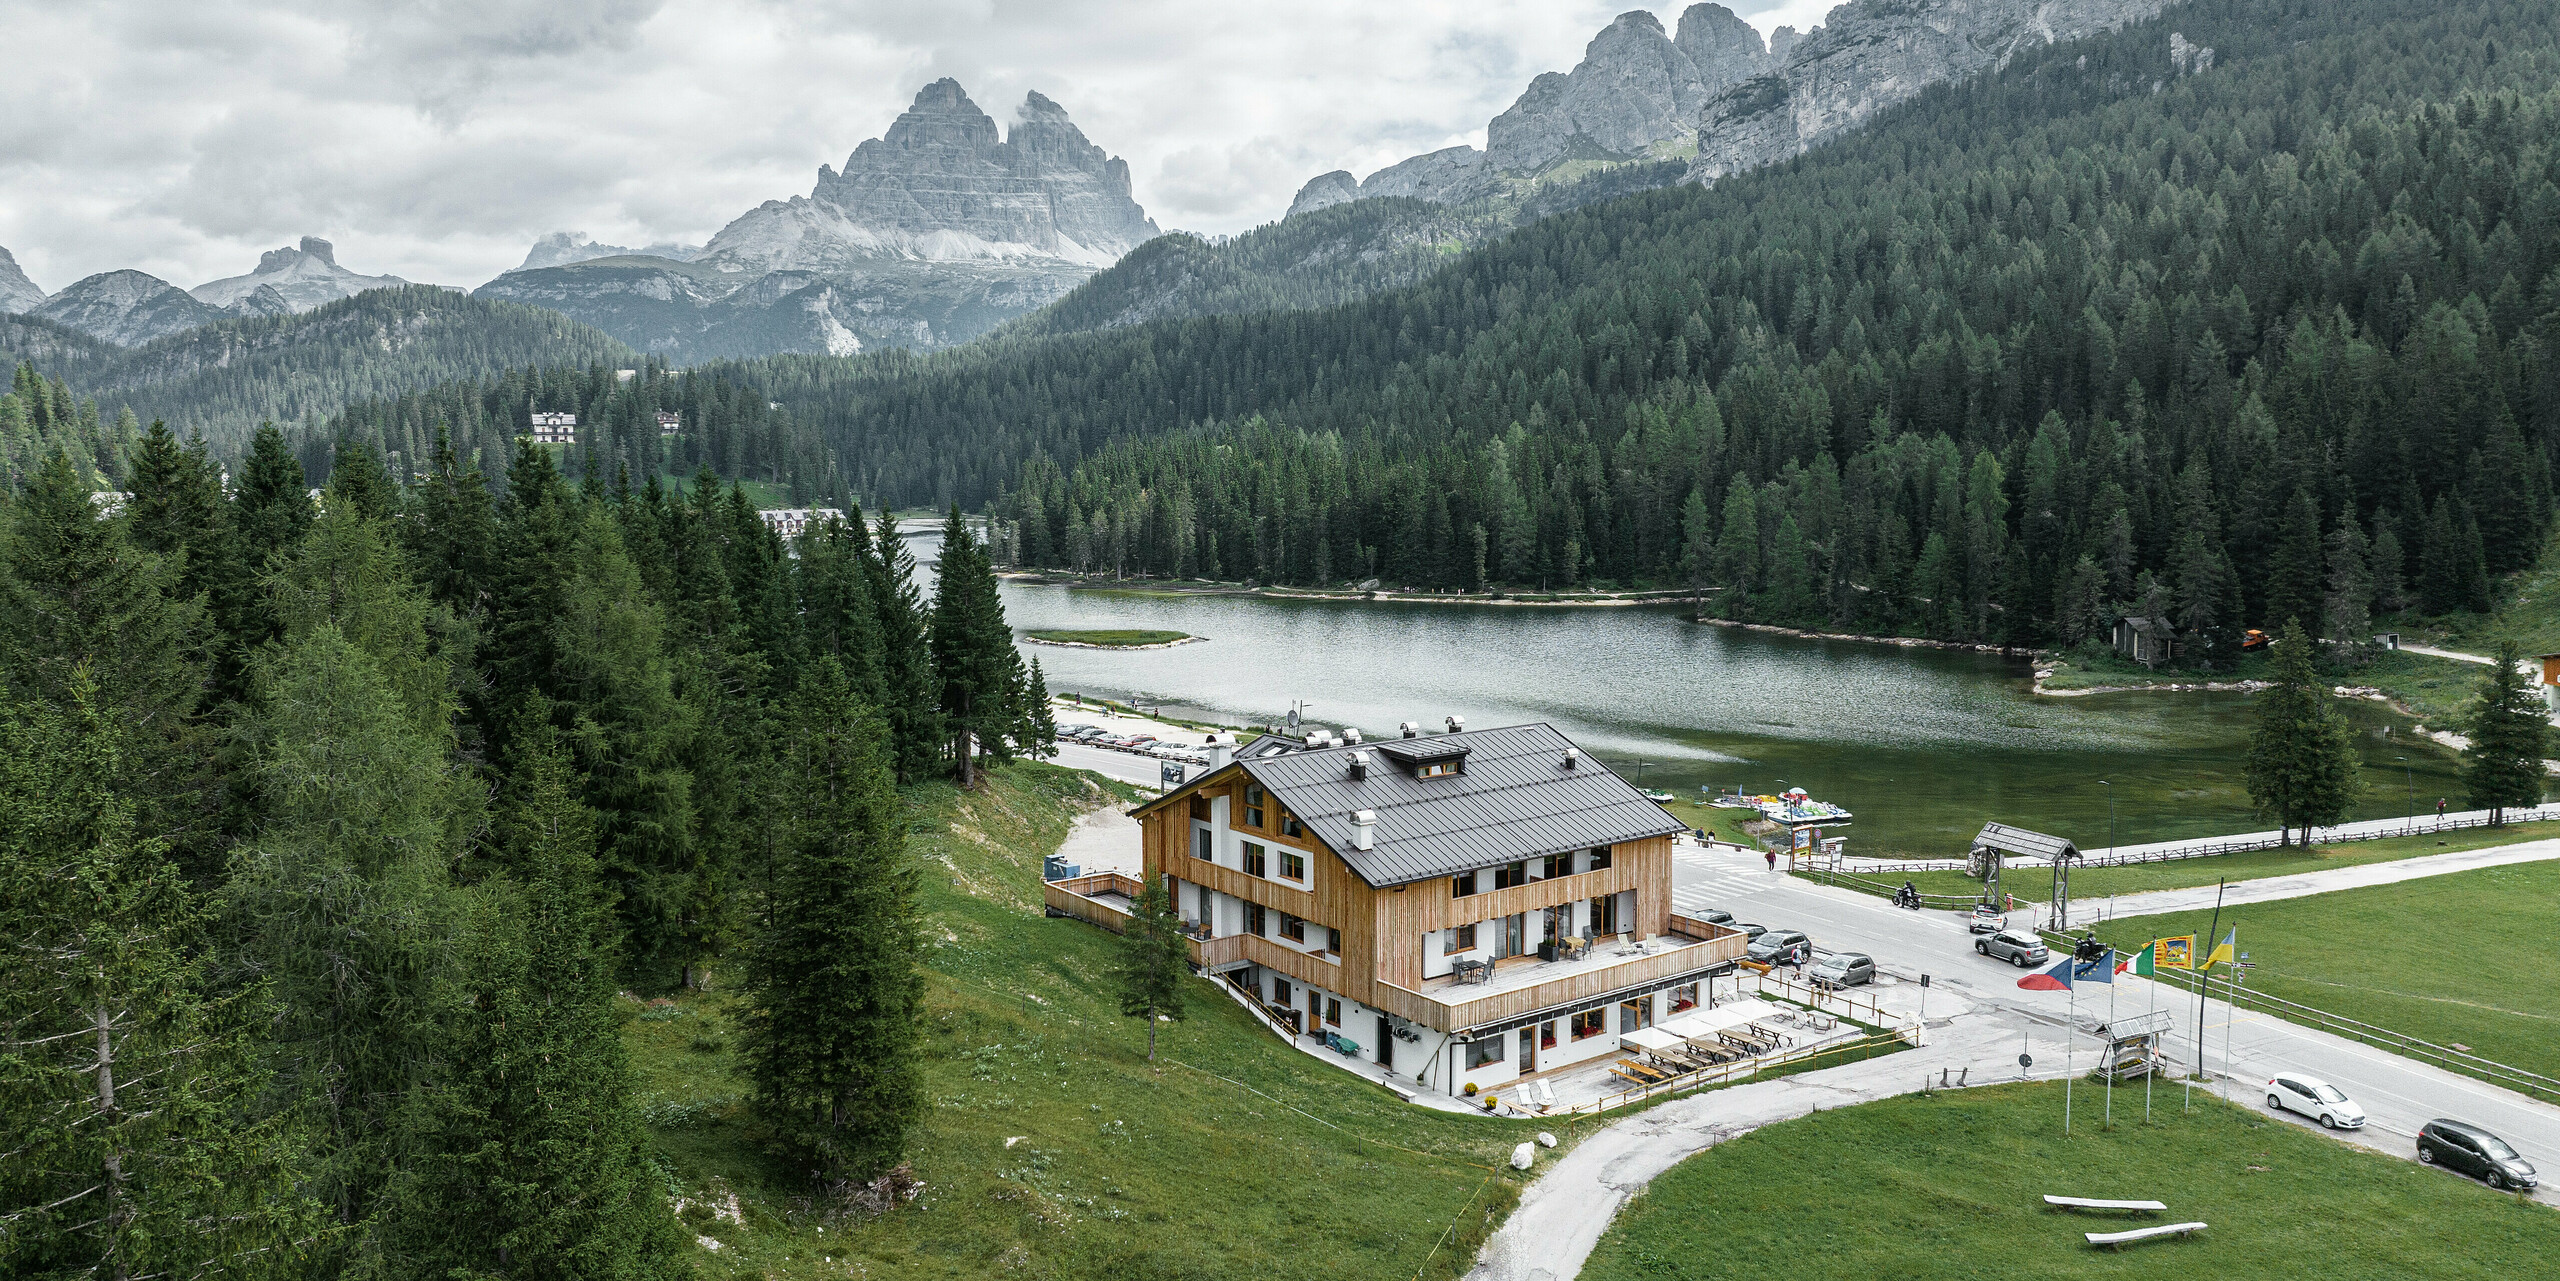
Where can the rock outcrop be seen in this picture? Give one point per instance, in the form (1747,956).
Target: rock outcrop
(561,248)
(933,233)
(1874,54)
(17,293)
(1716,93)
(127,308)
(300,278)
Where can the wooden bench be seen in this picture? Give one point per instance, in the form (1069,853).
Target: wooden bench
(2142,1234)
(1648,1075)
(2091,1203)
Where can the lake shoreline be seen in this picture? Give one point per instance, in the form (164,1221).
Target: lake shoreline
(1067,644)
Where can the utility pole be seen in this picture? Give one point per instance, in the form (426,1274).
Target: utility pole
(2204,982)
(2409,821)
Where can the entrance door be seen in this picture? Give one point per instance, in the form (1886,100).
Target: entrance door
(1528,1061)
(1386,1043)
(1515,934)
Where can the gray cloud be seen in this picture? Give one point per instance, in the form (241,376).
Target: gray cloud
(435,140)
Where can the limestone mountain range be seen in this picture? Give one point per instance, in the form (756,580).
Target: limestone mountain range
(130,308)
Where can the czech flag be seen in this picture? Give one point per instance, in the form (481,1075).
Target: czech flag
(2057,979)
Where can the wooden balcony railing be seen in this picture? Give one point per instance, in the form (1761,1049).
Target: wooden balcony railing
(1702,945)
(1074,897)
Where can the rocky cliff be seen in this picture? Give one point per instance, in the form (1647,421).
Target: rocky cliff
(17,293)
(561,248)
(291,280)
(1716,92)
(938,230)
(127,308)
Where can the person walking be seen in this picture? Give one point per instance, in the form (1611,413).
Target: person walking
(1773,859)
(2439,811)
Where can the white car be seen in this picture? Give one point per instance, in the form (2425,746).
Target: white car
(2314,1098)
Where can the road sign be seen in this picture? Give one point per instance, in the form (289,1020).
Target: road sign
(1924,980)
(1171,773)
(2026,1060)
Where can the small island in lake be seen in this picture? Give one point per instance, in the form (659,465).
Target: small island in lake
(1128,638)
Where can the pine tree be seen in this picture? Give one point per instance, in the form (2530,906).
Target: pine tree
(178,510)
(531,1160)
(357,480)
(2302,768)
(2347,607)
(273,505)
(2440,586)
(2389,564)
(128,1093)
(1154,961)
(2294,577)
(1038,732)
(914,708)
(973,652)
(830,1034)
(2509,729)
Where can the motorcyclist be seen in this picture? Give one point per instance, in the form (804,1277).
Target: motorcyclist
(1907,896)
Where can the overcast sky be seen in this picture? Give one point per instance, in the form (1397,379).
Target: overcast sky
(435,139)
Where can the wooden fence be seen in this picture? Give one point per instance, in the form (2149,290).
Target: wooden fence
(1073,897)
(2212,848)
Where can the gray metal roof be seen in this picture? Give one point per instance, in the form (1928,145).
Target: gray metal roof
(2018,840)
(1516,800)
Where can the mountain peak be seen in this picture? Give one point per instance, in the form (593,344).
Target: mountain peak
(17,293)
(302,276)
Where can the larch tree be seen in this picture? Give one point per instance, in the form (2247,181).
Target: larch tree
(2302,767)
(2509,732)
(834,998)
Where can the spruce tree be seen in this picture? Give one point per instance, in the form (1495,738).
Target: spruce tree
(273,504)
(1154,960)
(530,1157)
(973,652)
(357,480)
(128,1091)
(2347,607)
(834,998)
(2390,565)
(2302,768)
(178,509)
(2294,571)
(914,707)
(2508,728)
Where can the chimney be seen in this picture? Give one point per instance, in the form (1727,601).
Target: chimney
(1364,829)
(1410,728)
(1457,724)
(1351,736)
(1572,757)
(1359,766)
(1219,750)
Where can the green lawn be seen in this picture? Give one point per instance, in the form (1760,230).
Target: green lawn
(2451,959)
(1115,638)
(1948,1186)
(2036,883)
(1246,1159)
(2436,689)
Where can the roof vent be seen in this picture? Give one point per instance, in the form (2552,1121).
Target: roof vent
(1572,757)
(1351,736)
(1410,728)
(1457,724)
(1219,747)
(1359,766)
(1364,829)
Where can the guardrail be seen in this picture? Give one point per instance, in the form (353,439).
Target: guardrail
(2510,1077)
(2212,848)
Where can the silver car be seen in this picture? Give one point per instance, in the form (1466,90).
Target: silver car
(1843,969)
(2017,947)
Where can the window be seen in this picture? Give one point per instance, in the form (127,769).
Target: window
(1684,997)
(1604,915)
(1510,874)
(1599,858)
(1480,1053)
(1332,939)
(1462,885)
(1289,825)
(1515,935)
(1555,865)
(1590,1023)
(1199,807)
(1280,992)
(1635,1015)
(1253,863)
(1253,804)
(1293,865)
(1333,1010)
(1439,769)
(1547,1035)
(1292,929)
(1200,847)
(1253,920)
(1462,938)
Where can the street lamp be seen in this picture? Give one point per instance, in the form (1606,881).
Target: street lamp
(2409,822)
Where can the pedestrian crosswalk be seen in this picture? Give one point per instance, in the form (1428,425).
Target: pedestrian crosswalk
(1717,879)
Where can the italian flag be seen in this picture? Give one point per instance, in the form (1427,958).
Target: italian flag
(2142,962)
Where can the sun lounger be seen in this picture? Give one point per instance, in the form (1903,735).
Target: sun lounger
(1546,1096)
(2091,1203)
(2142,1234)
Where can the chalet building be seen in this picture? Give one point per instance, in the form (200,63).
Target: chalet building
(791,521)
(555,429)
(670,423)
(1469,908)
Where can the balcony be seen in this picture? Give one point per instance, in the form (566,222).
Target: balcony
(1523,985)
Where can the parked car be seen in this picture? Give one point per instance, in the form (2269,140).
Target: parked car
(1078,731)
(1988,919)
(2314,1098)
(1778,947)
(2471,1150)
(1138,742)
(1712,916)
(2017,947)
(1843,969)
(1750,931)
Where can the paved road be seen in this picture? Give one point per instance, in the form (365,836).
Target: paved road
(2549,811)
(1564,1212)
(2201,897)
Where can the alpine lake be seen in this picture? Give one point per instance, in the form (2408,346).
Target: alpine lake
(1924,745)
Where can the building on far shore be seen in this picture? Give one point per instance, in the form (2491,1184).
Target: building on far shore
(1469,908)
(791,521)
(669,423)
(555,429)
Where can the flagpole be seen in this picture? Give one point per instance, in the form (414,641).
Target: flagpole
(2110,1051)
(2204,984)
(2070,1025)
(2150,1066)
(2231,999)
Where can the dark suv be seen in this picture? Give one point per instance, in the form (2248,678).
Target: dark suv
(2476,1152)
(1781,947)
